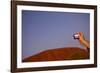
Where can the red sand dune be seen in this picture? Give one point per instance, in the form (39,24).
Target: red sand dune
(67,53)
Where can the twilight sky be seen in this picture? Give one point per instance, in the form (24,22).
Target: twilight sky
(43,30)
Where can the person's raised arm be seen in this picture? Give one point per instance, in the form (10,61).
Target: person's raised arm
(83,41)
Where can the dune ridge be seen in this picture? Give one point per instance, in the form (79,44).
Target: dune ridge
(58,54)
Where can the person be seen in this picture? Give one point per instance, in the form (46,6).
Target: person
(83,41)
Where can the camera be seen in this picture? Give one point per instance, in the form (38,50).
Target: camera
(76,36)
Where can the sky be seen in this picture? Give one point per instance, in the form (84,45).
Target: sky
(43,30)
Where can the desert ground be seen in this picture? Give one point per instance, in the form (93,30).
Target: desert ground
(59,54)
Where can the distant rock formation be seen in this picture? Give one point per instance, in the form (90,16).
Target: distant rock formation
(57,54)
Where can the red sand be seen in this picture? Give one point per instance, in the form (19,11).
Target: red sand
(57,54)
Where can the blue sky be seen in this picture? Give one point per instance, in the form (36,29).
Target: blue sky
(43,30)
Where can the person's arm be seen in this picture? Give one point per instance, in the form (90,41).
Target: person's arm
(83,41)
